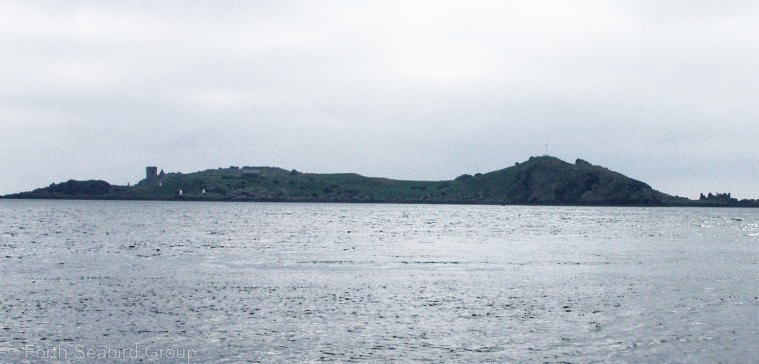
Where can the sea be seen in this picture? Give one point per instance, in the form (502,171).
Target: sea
(223,282)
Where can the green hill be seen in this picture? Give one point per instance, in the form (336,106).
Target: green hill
(551,181)
(540,180)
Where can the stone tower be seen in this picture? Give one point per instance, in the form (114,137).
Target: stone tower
(151,174)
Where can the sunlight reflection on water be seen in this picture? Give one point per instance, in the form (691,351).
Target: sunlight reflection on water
(311,282)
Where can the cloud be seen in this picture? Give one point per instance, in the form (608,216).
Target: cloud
(663,92)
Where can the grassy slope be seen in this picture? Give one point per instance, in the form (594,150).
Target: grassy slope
(274,184)
(548,180)
(540,180)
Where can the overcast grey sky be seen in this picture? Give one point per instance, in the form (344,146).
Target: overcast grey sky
(663,91)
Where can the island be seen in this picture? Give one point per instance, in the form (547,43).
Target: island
(542,180)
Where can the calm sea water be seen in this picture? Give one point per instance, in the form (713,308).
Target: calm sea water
(256,282)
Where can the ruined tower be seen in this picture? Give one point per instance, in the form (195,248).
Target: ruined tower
(151,174)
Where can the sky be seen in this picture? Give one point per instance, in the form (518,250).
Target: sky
(666,92)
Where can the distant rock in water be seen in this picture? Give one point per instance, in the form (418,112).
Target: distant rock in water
(540,180)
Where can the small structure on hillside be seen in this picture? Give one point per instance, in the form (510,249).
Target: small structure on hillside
(151,174)
(152,177)
(718,198)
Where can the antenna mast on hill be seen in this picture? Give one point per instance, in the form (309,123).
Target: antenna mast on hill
(546,150)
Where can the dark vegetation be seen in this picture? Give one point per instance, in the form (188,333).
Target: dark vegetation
(75,189)
(539,181)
